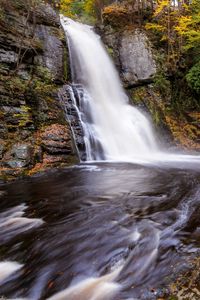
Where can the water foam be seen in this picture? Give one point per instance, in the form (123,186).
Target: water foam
(7,268)
(101,288)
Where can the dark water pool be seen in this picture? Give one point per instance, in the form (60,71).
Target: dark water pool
(127,228)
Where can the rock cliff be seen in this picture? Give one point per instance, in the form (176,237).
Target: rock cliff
(133,55)
(33,60)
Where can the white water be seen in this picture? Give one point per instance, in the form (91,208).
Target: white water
(7,268)
(122,131)
(101,288)
(113,129)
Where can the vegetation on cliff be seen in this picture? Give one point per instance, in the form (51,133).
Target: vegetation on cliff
(86,10)
(31,71)
(174,27)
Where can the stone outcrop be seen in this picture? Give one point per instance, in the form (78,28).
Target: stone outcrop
(136,58)
(132,53)
(34,134)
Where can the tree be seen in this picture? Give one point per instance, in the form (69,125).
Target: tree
(164,18)
(83,9)
(177,23)
(188,26)
(71,8)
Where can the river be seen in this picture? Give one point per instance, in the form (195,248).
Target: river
(99,231)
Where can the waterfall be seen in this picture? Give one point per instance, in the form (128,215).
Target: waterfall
(113,129)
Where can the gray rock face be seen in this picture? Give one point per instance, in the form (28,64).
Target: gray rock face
(136,57)
(8,56)
(52,57)
(45,14)
(132,53)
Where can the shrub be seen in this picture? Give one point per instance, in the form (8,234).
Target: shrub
(193,78)
(161,83)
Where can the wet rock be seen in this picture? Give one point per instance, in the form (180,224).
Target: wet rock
(56,139)
(66,95)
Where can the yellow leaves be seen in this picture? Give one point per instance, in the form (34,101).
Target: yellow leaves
(188,27)
(164,38)
(178,25)
(79,8)
(89,6)
(161,6)
(65,7)
(183,23)
(155,27)
(185,6)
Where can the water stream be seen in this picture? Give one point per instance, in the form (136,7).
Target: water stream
(119,229)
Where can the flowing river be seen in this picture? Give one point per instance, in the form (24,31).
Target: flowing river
(117,229)
(98,231)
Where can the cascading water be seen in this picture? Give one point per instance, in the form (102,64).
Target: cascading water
(113,129)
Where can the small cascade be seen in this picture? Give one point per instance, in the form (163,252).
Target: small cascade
(75,99)
(112,129)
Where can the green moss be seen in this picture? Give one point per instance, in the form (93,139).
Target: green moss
(110,51)
(44,74)
(24,116)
